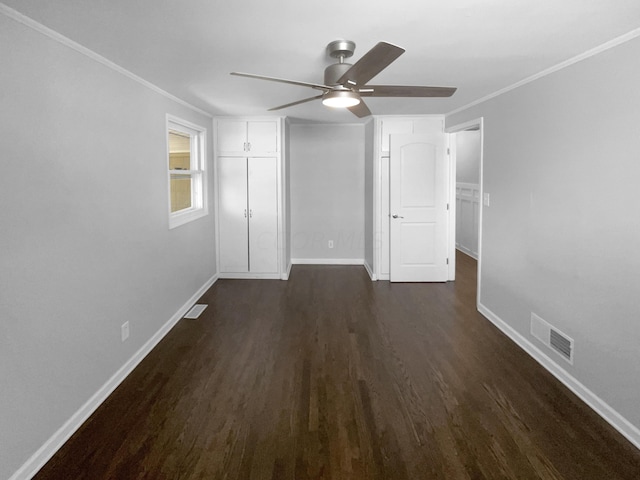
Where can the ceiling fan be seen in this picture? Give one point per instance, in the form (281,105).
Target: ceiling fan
(346,84)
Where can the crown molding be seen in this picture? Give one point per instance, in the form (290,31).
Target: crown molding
(52,34)
(567,63)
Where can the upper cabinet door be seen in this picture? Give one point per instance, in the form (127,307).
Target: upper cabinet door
(262,137)
(232,137)
(247,138)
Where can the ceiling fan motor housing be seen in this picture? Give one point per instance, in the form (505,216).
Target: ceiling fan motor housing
(333,72)
(339,49)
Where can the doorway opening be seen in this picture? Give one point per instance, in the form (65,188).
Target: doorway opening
(466,144)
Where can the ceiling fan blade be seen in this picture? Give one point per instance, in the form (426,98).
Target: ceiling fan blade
(371,64)
(360,110)
(404,91)
(295,103)
(282,80)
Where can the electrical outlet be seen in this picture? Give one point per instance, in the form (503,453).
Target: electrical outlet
(330,243)
(124,331)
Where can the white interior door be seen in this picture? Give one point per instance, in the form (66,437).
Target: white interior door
(418,208)
(263,215)
(384,239)
(233,214)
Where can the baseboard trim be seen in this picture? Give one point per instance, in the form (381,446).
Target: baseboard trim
(55,442)
(285,275)
(327,261)
(250,276)
(370,271)
(602,408)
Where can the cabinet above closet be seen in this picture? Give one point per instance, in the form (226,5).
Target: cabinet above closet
(247,137)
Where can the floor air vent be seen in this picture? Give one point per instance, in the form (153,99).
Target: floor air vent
(552,337)
(562,344)
(195,311)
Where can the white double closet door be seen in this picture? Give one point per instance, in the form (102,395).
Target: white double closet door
(248,214)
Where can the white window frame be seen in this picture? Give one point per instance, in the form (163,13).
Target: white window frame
(198,171)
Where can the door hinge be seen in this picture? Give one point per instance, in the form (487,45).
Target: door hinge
(448,151)
(447,261)
(447,206)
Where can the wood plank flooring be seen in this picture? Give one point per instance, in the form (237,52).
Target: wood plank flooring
(332,376)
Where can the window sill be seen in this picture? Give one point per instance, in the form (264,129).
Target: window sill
(180,218)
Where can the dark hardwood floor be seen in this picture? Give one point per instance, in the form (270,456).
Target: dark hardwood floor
(332,376)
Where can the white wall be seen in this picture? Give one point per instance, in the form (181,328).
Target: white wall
(561,165)
(468,157)
(327,191)
(84,242)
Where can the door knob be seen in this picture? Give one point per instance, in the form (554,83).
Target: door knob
(397,216)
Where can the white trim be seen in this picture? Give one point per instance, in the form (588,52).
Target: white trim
(452,212)
(377,197)
(55,442)
(285,275)
(327,261)
(468,193)
(52,34)
(370,271)
(412,116)
(567,63)
(249,275)
(479,122)
(602,408)
(200,192)
(460,127)
(185,216)
(327,124)
(467,253)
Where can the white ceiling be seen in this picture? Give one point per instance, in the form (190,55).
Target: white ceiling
(189,47)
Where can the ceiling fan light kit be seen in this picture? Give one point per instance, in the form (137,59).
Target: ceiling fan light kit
(345,84)
(340,99)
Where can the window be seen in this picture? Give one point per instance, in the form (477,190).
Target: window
(187,171)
